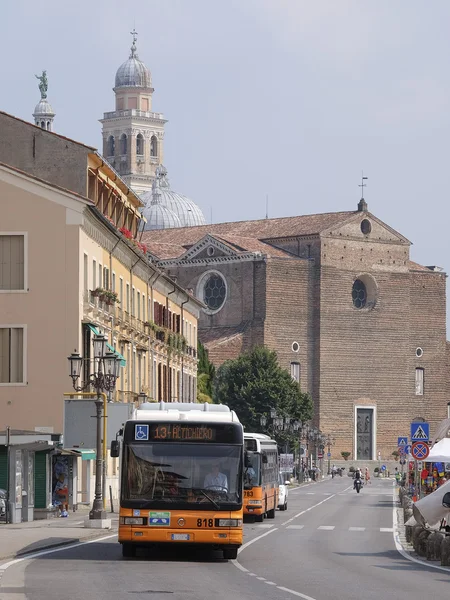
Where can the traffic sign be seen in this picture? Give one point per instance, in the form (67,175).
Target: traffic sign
(402,441)
(408,449)
(329,454)
(420,432)
(320,455)
(403,461)
(383,468)
(420,450)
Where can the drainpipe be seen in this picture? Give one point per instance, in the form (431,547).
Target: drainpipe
(182,354)
(151,317)
(169,378)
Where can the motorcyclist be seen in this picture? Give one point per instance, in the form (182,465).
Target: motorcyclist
(358,477)
(333,471)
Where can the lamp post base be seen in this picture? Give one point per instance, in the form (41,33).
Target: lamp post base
(97,523)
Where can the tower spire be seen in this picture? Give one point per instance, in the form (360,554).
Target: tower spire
(43,112)
(362,204)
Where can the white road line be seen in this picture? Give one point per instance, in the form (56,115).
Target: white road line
(270,583)
(295,527)
(310,493)
(307,510)
(54,550)
(265,526)
(386,529)
(284,589)
(261,578)
(356,528)
(326,527)
(256,539)
(243,569)
(399,546)
(252,574)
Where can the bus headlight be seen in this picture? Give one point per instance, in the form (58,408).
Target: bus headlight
(133,521)
(253,501)
(229,522)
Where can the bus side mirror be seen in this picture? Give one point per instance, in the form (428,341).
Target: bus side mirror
(264,458)
(115,448)
(446,500)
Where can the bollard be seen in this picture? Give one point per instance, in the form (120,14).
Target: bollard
(445,551)
(409,526)
(421,542)
(433,546)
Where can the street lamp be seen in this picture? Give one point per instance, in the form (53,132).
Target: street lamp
(330,442)
(142,398)
(279,424)
(103,379)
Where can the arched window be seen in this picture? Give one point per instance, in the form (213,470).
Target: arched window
(140,144)
(153,146)
(42,124)
(111,150)
(123,144)
(48,125)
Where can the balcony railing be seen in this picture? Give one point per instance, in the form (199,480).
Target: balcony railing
(133,112)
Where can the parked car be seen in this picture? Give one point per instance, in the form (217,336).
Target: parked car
(2,503)
(283,492)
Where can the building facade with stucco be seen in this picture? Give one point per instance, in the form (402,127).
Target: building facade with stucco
(355,321)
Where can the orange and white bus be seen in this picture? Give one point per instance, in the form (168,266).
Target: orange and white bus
(261,476)
(181,477)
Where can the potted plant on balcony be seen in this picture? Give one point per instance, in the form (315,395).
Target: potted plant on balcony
(111,297)
(345,455)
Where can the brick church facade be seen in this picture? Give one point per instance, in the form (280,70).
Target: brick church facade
(360,326)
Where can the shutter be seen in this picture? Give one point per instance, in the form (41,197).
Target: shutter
(40,480)
(3,467)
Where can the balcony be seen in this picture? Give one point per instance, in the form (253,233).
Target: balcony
(133,112)
(93,303)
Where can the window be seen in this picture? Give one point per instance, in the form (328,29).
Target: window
(139,305)
(94,274)
(12,264)
(85,274)
(143,307)
(128,297)
(139,144)
(11,355)
(123,144)
(111,150)
(359,294)
(133,302)
(105,278)
(295,371)
(113,284)
(153,146)
(121,294)
(366,226)
(212,289)
(419,381)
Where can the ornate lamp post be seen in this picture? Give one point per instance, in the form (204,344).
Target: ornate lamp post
(278,424)
(330,442)
(103,379)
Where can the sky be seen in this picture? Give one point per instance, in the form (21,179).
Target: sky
(285,99)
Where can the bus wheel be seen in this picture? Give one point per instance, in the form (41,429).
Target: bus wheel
(259,518)
(271,514)
(128,550)
(230,553)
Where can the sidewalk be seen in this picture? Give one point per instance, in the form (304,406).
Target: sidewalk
(22,538)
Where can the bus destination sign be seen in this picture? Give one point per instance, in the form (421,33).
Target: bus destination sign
(173,432)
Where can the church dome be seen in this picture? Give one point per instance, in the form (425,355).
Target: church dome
(159,216)
(133,72)
(43,108)
(186,211)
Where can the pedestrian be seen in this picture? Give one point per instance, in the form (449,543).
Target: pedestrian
(367,475)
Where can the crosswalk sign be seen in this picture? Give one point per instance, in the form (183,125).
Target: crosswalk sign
(402,441)
(420,432)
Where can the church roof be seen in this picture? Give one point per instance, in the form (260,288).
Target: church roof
(248,234)
(133,72)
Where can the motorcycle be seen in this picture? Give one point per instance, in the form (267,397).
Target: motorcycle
(358,485)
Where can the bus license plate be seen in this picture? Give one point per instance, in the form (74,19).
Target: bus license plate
(177,537)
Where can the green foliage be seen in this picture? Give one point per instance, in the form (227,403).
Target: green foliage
(205,374)
(254,383)
(345,454)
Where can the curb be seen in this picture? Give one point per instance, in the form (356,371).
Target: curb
(48,546)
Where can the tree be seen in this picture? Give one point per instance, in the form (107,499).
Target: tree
(205,375)
(253,384)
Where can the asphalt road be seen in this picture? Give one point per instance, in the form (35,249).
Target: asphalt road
(331,544)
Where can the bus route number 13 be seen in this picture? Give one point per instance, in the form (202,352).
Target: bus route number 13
(204,522)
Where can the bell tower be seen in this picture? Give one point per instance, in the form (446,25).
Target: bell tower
(133,135)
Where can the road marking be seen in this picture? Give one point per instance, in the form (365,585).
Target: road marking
(295,527)
(310,493)
(386,529)
(256,539)
(356,528)
(307,510)
(243,569)
(261,578)
(265,525)
(271,583)
(289,591)
(54,550)
(326,527)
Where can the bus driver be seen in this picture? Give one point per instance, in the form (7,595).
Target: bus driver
(216,480)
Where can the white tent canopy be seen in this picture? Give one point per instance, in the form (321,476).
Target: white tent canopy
(440,452)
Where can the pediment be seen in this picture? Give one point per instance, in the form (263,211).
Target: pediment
(365,226)
(208,247)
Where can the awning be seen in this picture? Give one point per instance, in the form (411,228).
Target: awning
(123,362)
(84,453)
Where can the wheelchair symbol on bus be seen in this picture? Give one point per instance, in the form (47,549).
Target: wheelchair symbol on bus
(141,433)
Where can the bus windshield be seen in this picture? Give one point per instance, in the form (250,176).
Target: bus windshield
(252,472)
(182,475)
